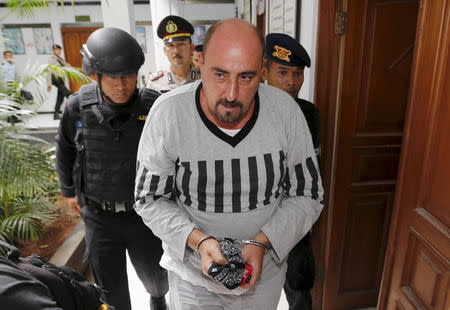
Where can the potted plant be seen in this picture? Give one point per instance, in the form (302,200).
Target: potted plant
(27,176)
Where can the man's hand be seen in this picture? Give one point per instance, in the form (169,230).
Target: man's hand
(209,250)
(72,204)
(49,88)
(254,256)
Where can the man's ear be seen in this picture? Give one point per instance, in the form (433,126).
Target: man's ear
(165,49)
(201,60)
(265,73)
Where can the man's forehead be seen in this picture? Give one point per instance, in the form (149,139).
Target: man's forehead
(177,42)
(244,71)
(283,67)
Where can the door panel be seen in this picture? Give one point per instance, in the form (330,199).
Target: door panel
(363,272)
(378,49)
(73,39)
(417,269)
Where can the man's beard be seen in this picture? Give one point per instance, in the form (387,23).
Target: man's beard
(228,117)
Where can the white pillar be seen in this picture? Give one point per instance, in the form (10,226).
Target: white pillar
(160,9)
(119,14)
(308,38)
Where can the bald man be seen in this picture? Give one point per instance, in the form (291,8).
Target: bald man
(227,178)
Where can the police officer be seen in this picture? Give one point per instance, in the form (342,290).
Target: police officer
(57,81)
(96,161)
(284,64)
(176,34)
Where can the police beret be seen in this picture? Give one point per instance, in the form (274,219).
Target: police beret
(173,28)
(285,50)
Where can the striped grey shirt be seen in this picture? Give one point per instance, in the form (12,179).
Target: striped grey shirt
(192,174)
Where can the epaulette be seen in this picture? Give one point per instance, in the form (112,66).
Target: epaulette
(156,75)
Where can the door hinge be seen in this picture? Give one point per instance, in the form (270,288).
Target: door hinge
(340,23)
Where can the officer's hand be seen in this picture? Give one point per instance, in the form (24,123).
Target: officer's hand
(72,204)
(254,256)
(210,252)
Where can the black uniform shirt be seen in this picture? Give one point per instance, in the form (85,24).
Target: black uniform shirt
(66,151)
(312,116)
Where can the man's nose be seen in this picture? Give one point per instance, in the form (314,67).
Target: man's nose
(289,79)
(233,91)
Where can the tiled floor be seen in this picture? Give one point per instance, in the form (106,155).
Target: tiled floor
(140,298)
(41,121)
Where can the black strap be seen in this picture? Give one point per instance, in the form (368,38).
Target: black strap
(97,114)
(88,95)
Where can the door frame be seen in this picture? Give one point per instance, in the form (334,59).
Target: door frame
(328,75)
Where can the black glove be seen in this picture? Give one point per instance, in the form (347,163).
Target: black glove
(233,273)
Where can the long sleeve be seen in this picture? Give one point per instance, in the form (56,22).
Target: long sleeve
(155,190)
(301,202)
(66,152)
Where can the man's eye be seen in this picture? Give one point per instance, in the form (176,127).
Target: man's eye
(283,73)
(246,77)
(219,75)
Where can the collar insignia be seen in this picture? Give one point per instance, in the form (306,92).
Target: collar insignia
(282,53)
(171,27)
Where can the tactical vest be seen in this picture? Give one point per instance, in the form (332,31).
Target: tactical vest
(107,140)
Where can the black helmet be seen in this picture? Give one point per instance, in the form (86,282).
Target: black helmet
(113,52)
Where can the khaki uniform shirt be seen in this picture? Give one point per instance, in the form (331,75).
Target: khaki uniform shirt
(163,81)
(56,60)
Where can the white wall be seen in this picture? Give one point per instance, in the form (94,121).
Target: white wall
(308,38)
(58,17)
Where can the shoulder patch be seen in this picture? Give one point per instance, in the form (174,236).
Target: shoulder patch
(156,75)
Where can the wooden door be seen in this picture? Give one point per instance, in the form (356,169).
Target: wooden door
(376,65)
(417,269)
(73,40)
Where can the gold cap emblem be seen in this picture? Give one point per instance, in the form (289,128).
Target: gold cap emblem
(282,53)
(171,27)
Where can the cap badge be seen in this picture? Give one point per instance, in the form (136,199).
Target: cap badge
(282,53)
(171,27)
